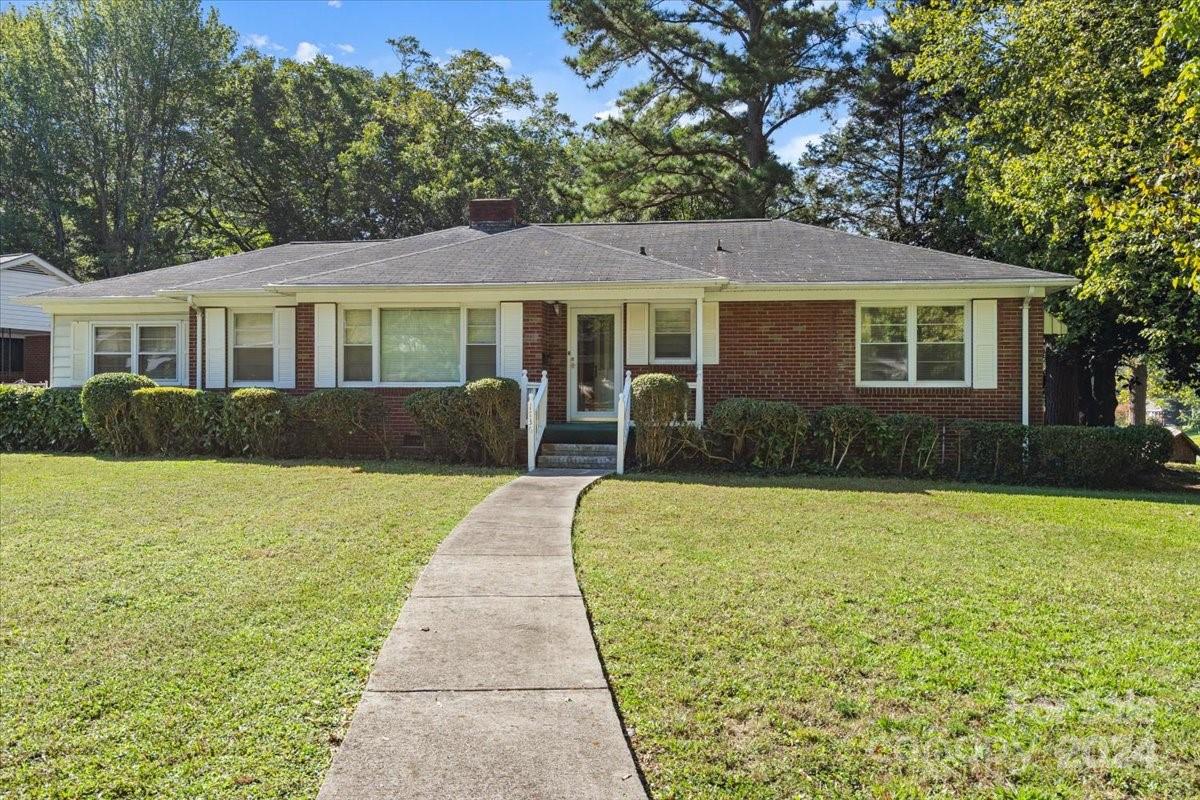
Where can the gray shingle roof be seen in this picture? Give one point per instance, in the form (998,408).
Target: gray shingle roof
(531,254)
(741,251)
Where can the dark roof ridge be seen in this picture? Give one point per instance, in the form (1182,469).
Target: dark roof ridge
(289,282)
(623,251)
(654,222)
(367,245)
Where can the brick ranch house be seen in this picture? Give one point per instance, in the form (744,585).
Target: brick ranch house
(759,308)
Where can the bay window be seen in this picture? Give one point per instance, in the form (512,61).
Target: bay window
(671,334)
(253,347)
(150,349)
(912,344)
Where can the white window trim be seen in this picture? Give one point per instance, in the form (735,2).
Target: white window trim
(650,325)
(376,338)
(182,365)
(230,330)
(911,335)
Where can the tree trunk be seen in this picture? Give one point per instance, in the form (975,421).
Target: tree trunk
(1137,392)
(1061,387)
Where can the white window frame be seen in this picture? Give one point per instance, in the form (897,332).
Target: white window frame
(230,349)
(653,321)
(182,365)
(377,337)
(911,337)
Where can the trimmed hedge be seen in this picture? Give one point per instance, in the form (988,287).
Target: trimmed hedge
(476,423)
(37,418)
(335,416)
(660,403)
(256,422)
(769,434)
(177,421)
(107,401)
(1096,457)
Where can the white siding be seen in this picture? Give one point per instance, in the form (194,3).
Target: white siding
(61,370)
(637,333)
(984,370)
(325,345)
(285,347)
(512,339)
(16,283)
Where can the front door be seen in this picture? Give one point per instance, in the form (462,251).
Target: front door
(593,362)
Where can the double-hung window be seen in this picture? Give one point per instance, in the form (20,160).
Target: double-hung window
(358,345)
(671,334)
(912,344)
(481,343)
(253,347)
(149,349)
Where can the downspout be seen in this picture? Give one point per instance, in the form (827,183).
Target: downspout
(1025,360)
(199,340)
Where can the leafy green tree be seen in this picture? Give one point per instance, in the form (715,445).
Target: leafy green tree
(120,90)
(725,76)
(889,169)
(1063,117)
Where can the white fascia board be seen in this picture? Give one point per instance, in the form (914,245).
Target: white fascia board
(494,293)
(31,258)
(108,305)
(877,291)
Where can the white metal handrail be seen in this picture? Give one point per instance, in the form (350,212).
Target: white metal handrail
(536,420)
(624,404)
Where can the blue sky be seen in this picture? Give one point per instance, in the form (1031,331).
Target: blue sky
(518,33)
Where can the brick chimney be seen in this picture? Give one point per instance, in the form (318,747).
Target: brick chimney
(493,214)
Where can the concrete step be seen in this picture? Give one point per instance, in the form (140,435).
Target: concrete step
(577,462)
(562,449)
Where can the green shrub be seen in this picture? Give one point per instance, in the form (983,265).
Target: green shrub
(256,422)
(336,416)
(911,444)
(846,429)
(1065,455)
(990,451)
(108,409)
(441,416)
(495,416)
(770,434)
(58,418)
(174,420)
(659,404)
(36,418)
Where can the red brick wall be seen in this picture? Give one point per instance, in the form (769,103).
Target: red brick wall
(803,351)
(192,366)
(305,347)
(35,361)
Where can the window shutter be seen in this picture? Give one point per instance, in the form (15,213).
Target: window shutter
(325,345)
(214,348)
(285,347)
(984,370)
(637,333)
(712,333)
(80,350)
(512,339)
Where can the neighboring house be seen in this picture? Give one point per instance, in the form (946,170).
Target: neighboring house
(739,308)
(1183,449)
(25,330)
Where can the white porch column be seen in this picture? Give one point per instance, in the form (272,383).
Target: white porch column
(700,360)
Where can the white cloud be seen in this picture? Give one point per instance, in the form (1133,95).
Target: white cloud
(502,61)
(260,41)
(609,111)
(345,48)
(306,52)
(794,148)
(335,3)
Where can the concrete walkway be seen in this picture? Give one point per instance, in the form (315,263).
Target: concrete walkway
(489,685)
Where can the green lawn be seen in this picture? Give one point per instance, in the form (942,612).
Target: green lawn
(887,639)
(199,628)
